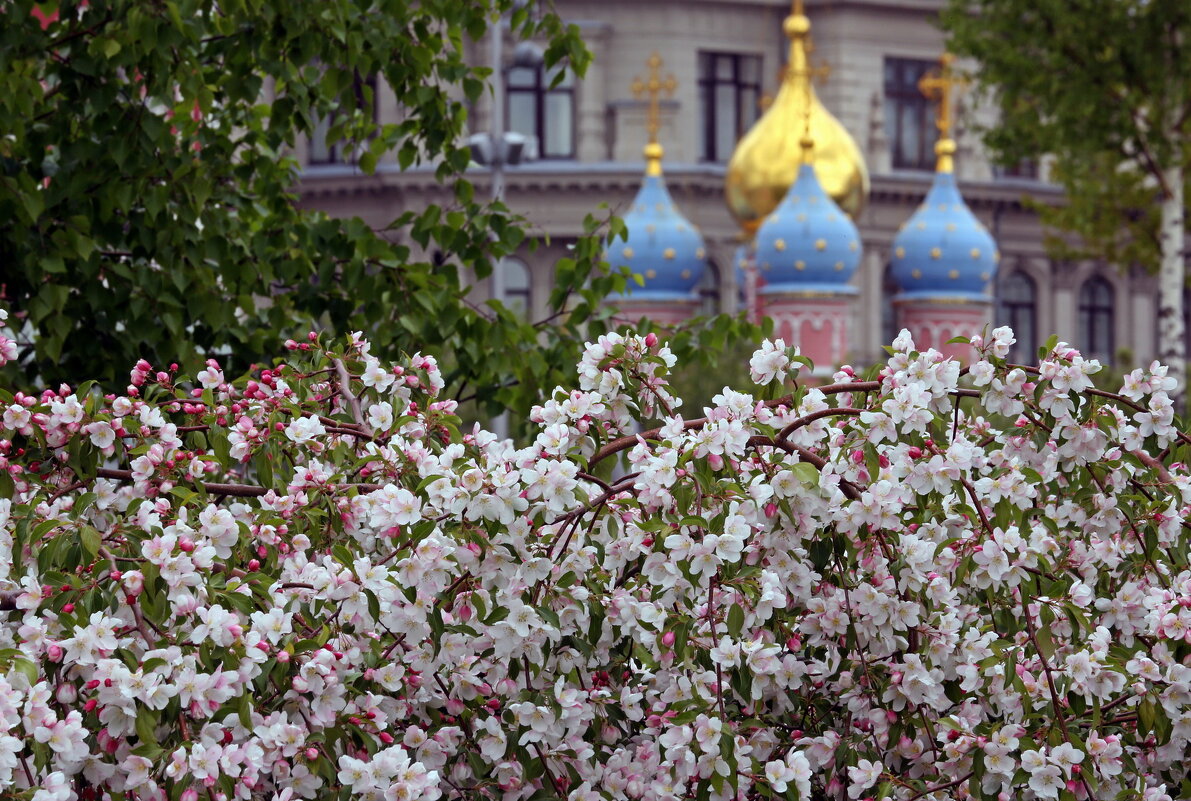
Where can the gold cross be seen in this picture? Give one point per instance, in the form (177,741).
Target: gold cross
(941,86)
(655,86)
(799,71)
(808,72)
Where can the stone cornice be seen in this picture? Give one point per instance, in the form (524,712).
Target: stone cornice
(612,179)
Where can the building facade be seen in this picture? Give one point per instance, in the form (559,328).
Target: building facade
(727,57)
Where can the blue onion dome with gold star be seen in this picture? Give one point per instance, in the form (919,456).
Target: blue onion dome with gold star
(807,243)
(661,245)
(943,251)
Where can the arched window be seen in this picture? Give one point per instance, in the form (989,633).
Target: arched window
(539,109)
(1096,319)
(709,290)
(517,287)
(1017,307)
(889,290)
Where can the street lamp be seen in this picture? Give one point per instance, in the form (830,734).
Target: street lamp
(498,148)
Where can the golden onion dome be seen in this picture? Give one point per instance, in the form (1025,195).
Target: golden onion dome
(767,159)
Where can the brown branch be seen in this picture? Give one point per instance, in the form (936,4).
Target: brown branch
(345,381)
(937,788)
(812,417)
(232,490)
(621,443)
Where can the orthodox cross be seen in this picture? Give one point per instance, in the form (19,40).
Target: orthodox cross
(654,85)
(799,70)
(941,86)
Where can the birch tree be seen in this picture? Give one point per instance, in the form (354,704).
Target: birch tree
(1103,86)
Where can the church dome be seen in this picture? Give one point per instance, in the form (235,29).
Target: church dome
(766,161)
(661,245)
(943,250)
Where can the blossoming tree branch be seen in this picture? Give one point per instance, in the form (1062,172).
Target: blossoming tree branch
(933,583)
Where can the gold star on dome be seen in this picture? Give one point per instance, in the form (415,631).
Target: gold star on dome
(627,253)
(936,253)
(820,244)
(668,254)
(779,245)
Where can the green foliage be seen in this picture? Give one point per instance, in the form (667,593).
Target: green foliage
(1101,85)
(146,205)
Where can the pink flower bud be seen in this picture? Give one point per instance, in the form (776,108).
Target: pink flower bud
(115,575)
(90,705)
(54,652)
(67,608)
(770,510)
(914,452)
(651,339)
(253,565)
(385,738)
(312,753)
(283,657)
(189,794)
(668,639)
(66,693)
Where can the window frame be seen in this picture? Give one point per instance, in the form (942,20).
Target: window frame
(1090,311)
(1026,169)
(708,82)
(709,289)
(539,90)
(1010,309)
(901,95)
(523,295)
(335,154)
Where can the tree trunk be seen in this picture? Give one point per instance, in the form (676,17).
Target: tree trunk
(1171,280)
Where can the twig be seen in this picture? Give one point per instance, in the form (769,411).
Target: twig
(345,385)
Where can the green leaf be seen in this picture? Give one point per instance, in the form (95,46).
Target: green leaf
(91,540)
(807,473)
(735,620)
(146,722)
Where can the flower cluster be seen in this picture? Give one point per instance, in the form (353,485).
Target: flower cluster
(934,581)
